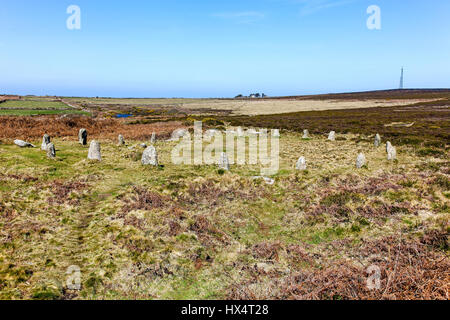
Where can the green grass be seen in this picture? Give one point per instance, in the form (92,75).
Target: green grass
(197,235)
(12,112)
(36,107)
(33,104)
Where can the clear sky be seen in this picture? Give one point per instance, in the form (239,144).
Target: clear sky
(209,48)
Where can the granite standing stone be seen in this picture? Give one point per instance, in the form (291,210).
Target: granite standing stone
(332,136)
(51,152)
(95,151)
(150,157)
(82,137)
(121,140)
(377,140)
(224,163)
(301,164)
(305,134)
(388,146)
(153,138)
(360,161)
(45,142)
(392,154)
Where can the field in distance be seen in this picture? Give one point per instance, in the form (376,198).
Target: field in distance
(264,106)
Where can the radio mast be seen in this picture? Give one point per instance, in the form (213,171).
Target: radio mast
(401,80)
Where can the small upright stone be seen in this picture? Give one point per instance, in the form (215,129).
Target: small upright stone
(121,140)
(224,163)
(276,133)
(240,132)
(332,136)
(301,164)
(153,138)
(94,151)
(360,161)
(82,137)
(377,140)
(388,146)
(150,157)
(51,152)
(392,154)
(305,134)
(45,142)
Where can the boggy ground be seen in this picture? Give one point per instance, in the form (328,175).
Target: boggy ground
(194,232)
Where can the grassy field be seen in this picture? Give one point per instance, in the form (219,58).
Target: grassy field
(37,106)
(266,106)
(193,232)
(196,232)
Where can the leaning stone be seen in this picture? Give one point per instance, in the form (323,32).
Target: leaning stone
(82,137)
(377,140)
(332,136)
(94,151)
(224,163)
(305,134)
(121,140)
(360,161)
(153,138)
(24,144)
(51,152)
(150,157)
(301,164)
(392,154)
(45,142)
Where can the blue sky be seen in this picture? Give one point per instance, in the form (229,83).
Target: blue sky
(221,48)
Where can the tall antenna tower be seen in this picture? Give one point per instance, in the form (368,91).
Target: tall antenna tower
(401,80)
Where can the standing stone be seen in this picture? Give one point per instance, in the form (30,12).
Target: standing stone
(224,163)
(150,157)
(94,151)
(51,152)
(153,138)
(377,140)
(392,154)
(360,161)
(240,132)
(301,164)
(82,137)
(305,134)
(388,146)
(45,142)
(276,133)
(332,136)
(121,140)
